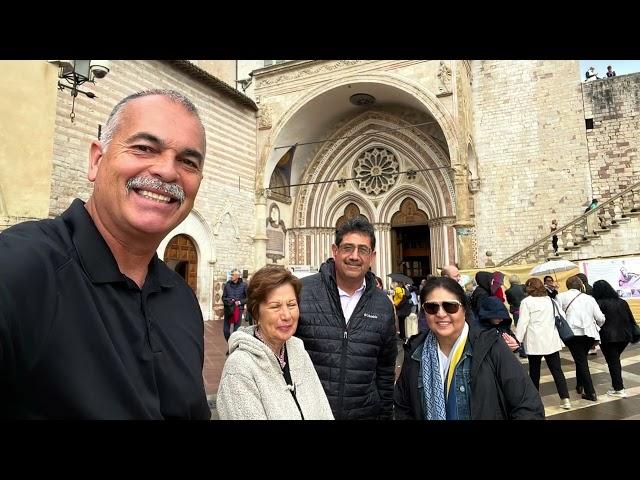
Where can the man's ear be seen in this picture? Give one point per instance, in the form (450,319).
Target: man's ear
(95,156)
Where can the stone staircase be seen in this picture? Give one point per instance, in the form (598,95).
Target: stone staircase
(592,234)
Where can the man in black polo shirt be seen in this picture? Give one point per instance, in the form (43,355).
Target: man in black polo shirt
(92,324)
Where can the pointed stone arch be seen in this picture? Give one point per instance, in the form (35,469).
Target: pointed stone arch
(427,99)
(409,214)
(338,208)
(197,229)
(414,149)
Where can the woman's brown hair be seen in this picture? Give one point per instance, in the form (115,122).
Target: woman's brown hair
(535,287)
(575,283)
(263,282)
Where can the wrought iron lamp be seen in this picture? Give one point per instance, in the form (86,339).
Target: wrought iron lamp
(73,73)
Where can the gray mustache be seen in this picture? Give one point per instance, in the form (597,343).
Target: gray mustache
(171,189)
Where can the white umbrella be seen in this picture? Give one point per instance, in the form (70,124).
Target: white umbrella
(553,266)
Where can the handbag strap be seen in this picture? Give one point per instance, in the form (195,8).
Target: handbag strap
(567,309)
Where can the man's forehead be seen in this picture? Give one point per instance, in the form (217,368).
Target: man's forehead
(356,238)
(142,109)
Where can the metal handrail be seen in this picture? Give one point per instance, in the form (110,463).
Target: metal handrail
(570,224)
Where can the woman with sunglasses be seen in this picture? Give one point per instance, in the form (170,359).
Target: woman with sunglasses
(460,371)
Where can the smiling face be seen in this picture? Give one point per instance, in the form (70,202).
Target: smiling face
(278,315)
(446,326)
(353,258)
(147,179)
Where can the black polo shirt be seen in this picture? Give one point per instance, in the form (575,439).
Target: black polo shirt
(78,339)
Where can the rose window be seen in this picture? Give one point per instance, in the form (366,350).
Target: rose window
(378,168)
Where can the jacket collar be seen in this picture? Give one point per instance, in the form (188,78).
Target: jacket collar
(328,272)
(94,254)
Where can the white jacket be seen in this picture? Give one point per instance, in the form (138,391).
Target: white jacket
(253,387)
(537,326)
(583,316)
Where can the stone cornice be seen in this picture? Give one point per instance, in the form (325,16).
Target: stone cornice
(212,82)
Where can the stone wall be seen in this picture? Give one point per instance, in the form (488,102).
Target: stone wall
(530,141)
(614,106)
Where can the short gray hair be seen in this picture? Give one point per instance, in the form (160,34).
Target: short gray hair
(113,122)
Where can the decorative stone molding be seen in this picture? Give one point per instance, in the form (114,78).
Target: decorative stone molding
(382,227)
(226,210)
(444,80)
(265,115)
(273,195)
(438,222)
(474,185)
(307,72)
(380,168)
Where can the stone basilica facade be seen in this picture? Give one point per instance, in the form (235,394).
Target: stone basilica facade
(447,158)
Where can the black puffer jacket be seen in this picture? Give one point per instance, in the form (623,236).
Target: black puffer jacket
(500,388)
(355,361)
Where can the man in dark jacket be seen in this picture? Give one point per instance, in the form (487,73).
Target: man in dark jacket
(234,294)
(348,327)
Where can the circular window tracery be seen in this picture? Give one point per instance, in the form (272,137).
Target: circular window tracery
(379,169)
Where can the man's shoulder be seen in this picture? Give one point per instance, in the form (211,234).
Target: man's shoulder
(311,282)
(28,246)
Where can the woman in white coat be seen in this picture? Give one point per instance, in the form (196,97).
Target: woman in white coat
(537,331)
(268,374)
(585,319)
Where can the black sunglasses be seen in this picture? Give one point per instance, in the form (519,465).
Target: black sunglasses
(449,306)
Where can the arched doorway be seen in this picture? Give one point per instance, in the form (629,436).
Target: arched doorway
(410,242)
(182,257)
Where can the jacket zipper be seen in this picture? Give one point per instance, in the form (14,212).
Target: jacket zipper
(343,369)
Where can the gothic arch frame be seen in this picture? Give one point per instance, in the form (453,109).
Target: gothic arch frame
(425,202)
(196,228)
(413,150)
(426,98)
(336,209)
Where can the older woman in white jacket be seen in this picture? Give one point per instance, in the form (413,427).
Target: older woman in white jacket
(537,330)
(585,319)
(269,374)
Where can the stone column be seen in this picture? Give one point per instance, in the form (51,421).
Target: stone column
(463,224)
(260,237)
(383,260)
(439,242)
(464,244)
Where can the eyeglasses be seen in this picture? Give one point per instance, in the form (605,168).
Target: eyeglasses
(349,248)
(449,306)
